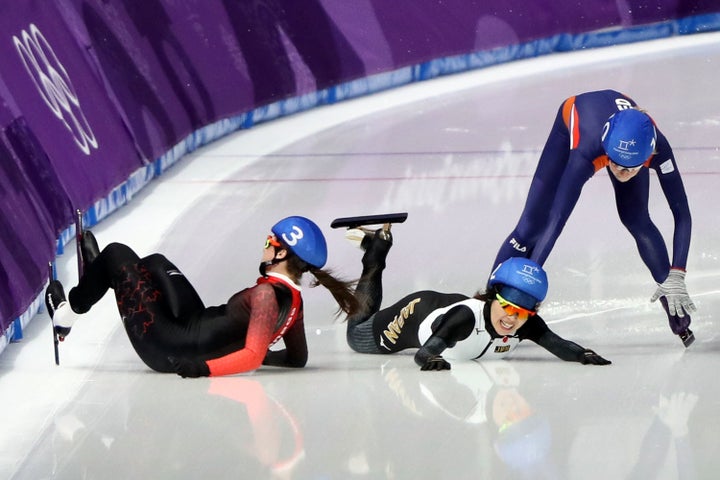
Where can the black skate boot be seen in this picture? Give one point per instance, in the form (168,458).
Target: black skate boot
(89,247)
(376,245)
(687,337)
(56,304)
(361,236)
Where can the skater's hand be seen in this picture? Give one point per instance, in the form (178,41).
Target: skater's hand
(591,358)
(675,292)
(187,368)
(436,362)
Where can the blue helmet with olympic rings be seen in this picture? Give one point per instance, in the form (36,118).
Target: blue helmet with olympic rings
(303,238)
(629,137)
(520,281)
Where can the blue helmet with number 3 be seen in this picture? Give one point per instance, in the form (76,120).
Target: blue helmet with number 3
(303,238)
(520,281)
(629,138)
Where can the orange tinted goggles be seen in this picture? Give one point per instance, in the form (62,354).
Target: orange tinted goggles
(271,241)
(512,309)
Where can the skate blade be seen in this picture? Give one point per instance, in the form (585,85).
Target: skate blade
(353,222)
(688,339)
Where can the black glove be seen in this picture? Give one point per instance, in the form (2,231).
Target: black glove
(436,362)
(187,368)
(591,358)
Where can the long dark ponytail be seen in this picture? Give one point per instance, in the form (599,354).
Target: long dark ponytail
(341,290)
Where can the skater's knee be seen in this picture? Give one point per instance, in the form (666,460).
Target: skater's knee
(120,253)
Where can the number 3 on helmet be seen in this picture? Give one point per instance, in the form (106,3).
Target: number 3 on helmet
(303,238)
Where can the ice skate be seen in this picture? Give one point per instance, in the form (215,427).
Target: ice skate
(59,309)
(362,236)
(364,220)
(359,232)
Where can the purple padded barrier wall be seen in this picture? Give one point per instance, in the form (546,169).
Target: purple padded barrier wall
(63,145)
(100,96)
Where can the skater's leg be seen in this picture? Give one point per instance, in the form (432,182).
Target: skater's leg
(369,291)
(153,330)
(102,273)
(541,196)
(92,286)
(178,294)
(369,288)
(631,199)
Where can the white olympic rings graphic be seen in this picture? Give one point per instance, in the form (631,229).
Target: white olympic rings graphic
(54,85)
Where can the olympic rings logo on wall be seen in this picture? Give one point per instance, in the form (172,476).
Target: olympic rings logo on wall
(54,85)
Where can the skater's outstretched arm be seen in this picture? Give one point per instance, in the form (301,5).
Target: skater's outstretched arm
(566,350)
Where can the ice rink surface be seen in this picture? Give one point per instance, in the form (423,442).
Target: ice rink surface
(457,154)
